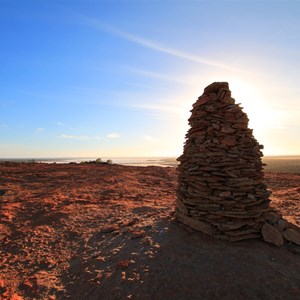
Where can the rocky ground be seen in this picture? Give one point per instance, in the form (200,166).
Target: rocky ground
(108,232)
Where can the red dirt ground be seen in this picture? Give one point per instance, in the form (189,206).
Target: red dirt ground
(108,232)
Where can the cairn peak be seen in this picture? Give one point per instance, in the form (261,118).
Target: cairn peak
(215,87)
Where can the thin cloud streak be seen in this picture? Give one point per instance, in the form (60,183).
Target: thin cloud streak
(150,139)
(161,76)
(173,110)
(113,135)
(154,45)
(79,137)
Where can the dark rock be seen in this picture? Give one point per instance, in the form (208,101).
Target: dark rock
(292,235)
(272,235)
(109,228)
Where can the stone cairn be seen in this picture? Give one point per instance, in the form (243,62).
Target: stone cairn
(221,189)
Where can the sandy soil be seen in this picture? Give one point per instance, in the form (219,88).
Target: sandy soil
(108,232)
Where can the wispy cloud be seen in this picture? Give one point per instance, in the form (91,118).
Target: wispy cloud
(162,77)
(156,108)
(113,135)
(60,124)
(40,130)
(150,139)
(147,43)
(79,137)
(3,125)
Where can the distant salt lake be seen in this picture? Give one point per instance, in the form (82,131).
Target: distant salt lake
(285,164)
(132,161)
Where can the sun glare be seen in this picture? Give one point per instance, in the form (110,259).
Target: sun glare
(267,121)
(254,105)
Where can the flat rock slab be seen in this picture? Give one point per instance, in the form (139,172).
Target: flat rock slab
(272,235)
(292,235)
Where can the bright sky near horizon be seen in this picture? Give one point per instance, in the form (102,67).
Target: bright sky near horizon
(118,78)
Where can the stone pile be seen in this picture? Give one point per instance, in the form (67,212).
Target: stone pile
(221,189)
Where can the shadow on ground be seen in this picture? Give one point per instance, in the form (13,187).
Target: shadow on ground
(169,262)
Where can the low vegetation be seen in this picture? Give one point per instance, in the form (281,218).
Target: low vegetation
(98,161)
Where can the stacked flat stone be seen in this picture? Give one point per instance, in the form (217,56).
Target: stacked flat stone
(221,189)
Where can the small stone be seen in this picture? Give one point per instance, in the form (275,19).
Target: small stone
(131,222)
(202,101)
(123,264)
(123,276)
(229,100)
(109,228)
(272,235)
(2,283)
(227,129)
(228,141)
(137,234)
(225,194)
(273,217)
(281,225)
(198,225)
(292,235)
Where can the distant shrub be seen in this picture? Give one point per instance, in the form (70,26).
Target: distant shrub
(98,161)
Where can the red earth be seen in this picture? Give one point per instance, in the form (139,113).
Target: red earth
(108,232)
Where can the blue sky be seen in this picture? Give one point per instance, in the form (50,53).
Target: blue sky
(118,78)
